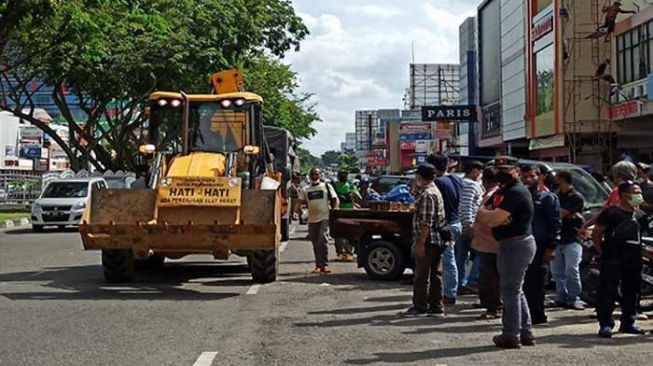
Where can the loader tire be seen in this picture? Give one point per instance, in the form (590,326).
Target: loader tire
(153,263)
(118,265)
(263,265)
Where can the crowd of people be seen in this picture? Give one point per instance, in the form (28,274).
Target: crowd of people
(497,231)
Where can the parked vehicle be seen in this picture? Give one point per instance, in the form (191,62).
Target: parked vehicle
(63,201)
(382,239)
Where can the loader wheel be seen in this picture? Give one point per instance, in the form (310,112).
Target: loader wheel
(153,263)
(118,265)
(285,230)
(263,265)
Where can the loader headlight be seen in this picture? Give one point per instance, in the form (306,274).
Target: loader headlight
(251,150)
(147,149)
(239,102)
(175,103)
(162,102)
(226,103)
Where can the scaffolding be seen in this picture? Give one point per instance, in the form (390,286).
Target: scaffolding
(433,84)
(585,96)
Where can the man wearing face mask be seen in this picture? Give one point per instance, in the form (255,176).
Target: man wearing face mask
(318,195)
(617,236)
(546,230)
(428,247)
(511,223)
(346,191)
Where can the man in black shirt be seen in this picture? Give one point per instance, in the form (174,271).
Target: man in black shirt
(546,231)
(511,220)
(617,236)
(565,266)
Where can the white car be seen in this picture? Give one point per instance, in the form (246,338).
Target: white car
(62,202)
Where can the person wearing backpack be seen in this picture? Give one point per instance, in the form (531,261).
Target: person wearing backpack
(318,195)
(617,236)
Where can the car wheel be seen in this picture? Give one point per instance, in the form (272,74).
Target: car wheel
(384,261)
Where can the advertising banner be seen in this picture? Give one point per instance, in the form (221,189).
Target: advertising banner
(412,131)
(31,133)
(30,151)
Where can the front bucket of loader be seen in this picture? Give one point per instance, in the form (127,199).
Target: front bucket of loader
(130,219)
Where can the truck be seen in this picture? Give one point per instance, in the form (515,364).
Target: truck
(382,239)
(210,187)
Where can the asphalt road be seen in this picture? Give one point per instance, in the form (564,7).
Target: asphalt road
(55,309)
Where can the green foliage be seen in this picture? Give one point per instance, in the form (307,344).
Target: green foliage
(114,53)
(307,160)
(331,157)
(348,163)
(277,83)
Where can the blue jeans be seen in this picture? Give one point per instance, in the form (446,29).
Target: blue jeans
(462,250)
(449,269)
(565,271)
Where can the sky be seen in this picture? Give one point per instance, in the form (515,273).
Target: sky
(358,52)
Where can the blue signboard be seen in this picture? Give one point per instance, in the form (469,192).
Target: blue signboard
(30,152)
(415,137)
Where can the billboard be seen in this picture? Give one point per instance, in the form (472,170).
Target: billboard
(413,131)
(30,151)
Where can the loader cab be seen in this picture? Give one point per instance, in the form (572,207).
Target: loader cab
(226,124)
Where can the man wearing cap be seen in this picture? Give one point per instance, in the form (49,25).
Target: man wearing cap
(428,247)
(450,187)
(470,201)
(617,236)
(511,222)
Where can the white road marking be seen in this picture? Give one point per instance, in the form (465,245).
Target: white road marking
(253,290)
(205,359)
(283,246)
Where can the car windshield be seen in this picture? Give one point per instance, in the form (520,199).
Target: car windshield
(214,129)
(66,190)
(594,194)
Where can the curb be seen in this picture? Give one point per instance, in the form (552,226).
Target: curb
(14,223)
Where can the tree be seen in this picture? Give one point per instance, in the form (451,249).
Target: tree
(307,160)
(331,157)
(348,163)
(111,54)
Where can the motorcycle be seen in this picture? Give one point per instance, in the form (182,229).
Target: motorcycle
(590,270)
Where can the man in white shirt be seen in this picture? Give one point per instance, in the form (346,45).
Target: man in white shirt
(471,196)
(318,195)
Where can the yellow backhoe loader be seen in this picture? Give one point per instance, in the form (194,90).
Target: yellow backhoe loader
(210,187)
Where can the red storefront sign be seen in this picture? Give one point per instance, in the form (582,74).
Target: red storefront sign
(407,145)
(376,162)
(623,110)
(542,28)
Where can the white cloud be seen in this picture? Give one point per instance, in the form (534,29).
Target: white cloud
(357,56)
(375,11)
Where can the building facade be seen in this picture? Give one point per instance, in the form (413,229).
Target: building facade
(465,132)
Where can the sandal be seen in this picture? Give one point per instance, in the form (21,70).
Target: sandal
(489,316)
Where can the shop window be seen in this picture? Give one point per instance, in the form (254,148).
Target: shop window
(544,80)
